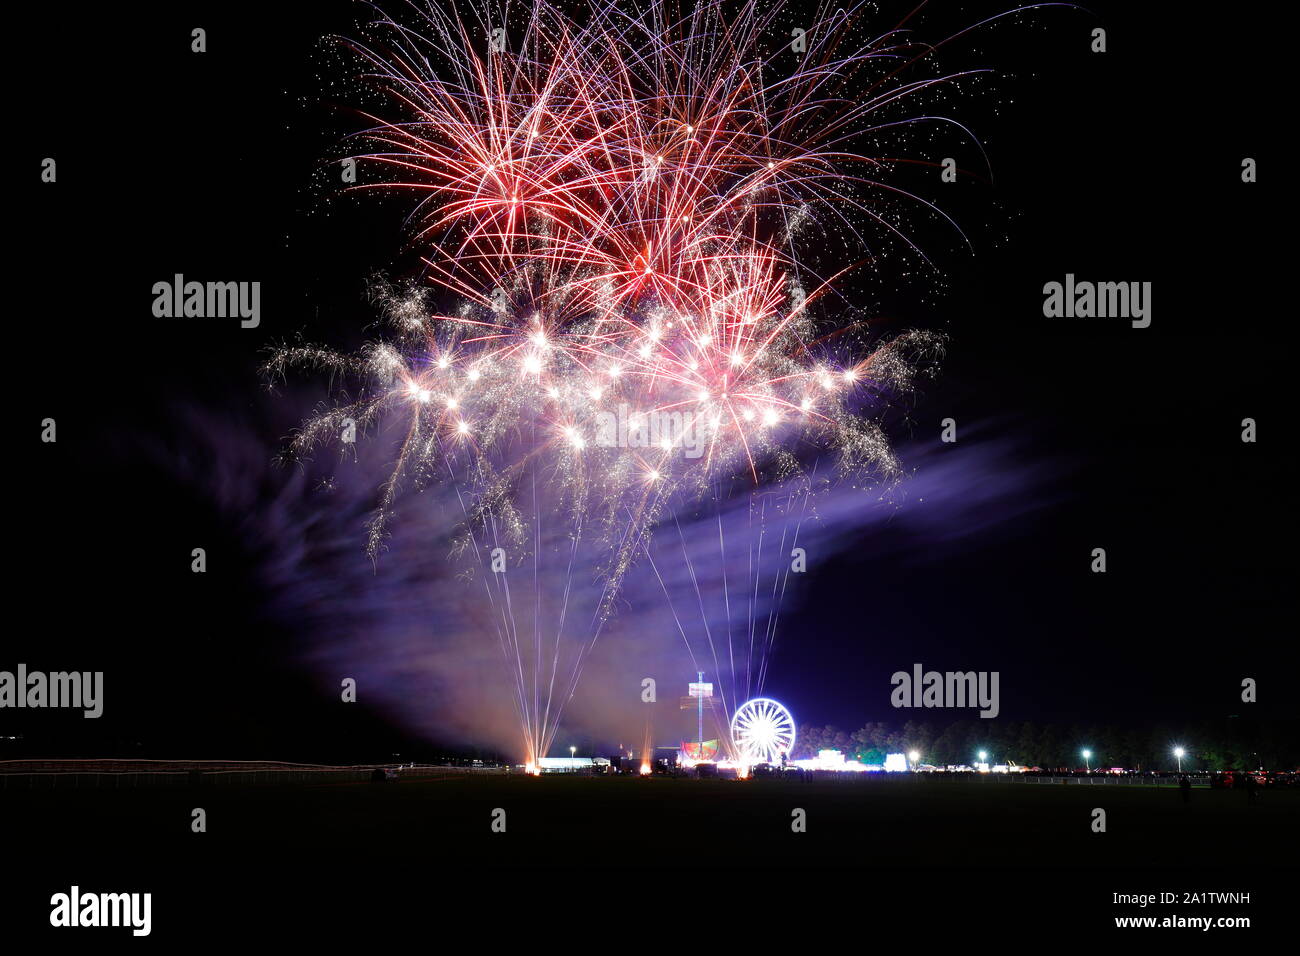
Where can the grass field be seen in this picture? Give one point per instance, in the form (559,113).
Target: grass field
(315,860)
(615,820)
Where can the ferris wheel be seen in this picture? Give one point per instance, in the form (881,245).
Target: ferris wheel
(762,731)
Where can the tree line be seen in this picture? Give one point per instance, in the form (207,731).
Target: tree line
(1231,743)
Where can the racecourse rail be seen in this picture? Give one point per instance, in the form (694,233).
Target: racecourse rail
(95,773)
(113,774)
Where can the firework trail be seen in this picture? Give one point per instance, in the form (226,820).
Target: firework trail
(614,201)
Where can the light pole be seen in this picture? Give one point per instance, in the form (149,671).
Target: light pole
(1178,752)
(914,757)
(699,705)
(1087,755)
(572,750)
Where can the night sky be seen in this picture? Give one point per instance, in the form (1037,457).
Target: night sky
(1075,434)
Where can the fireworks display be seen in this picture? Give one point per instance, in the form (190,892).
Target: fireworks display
(618,325)
(518,458)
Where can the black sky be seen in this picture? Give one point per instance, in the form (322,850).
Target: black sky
(1120,166)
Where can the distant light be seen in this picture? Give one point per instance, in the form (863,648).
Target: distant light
(895,763)
(1179,752)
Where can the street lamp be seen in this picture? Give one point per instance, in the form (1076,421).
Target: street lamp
(1178,752)
(914,757)
(1087,755)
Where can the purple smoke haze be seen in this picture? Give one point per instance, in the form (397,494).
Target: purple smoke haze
(417,630)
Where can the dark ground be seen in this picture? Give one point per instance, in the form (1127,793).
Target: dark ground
(1023,855)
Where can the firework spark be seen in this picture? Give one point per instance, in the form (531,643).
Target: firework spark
(617,202)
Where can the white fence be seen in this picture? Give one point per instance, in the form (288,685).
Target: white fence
(112,775)
(1104,779)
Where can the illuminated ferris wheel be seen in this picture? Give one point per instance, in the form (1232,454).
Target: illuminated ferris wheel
(762,731)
